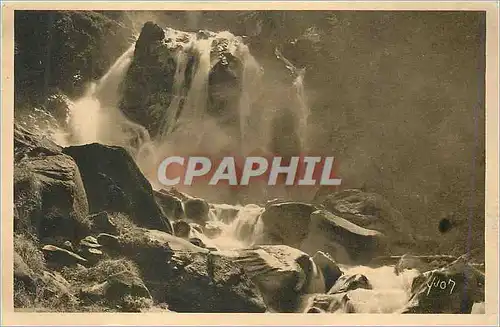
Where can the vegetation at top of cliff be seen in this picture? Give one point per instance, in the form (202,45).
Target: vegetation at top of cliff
(62,51)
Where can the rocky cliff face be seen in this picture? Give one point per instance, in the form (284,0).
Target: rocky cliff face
(167,64)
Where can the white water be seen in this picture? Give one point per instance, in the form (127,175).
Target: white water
(389,294)
(96,118)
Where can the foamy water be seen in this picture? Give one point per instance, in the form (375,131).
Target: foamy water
(390,291)
(389,294)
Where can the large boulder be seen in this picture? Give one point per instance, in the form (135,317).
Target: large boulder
(453,289)
(197,210)
(330,269)
(170,204)
(189,278)
(114,183)
(115,290)
(343,240)
(49,197)
(286,223)
(371,211)
(282,274)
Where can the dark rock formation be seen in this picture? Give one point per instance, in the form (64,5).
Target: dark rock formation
(102,222)
(329,268)
(190,278)
(170,204)
(196,210)
(286,223)
(371,211)
(282,274)
(58,257)
(452,289)
(345,241)
(181,228)
(49,196)
(108,241)
(349,283)
(114,183)
(115,290)
(148,88)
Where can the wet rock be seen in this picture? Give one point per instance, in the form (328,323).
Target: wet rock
(197,210)
(197,242)
(329,268)
(287,223)
(328,303)
(171,205)
(371,211)
(453,289)
(176,193)
(61,257)
(50,198)
(226,213)
(102,222)
(211,230)
(196,228)
(282,274)
(345,241)
(224,86)
(114,183)
(181,228)
(350,282)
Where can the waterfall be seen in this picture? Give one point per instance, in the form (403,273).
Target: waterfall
(172,112)
(95,117)
(300,107)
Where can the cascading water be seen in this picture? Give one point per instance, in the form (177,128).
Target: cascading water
(300,108)
(96,117)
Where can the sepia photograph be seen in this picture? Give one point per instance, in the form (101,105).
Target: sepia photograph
(249,161)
